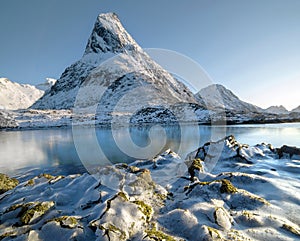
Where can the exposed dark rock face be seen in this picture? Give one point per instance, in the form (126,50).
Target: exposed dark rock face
(289,150)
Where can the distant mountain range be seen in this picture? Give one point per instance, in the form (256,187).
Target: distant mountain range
(216,96)
(128,82)
(281,110)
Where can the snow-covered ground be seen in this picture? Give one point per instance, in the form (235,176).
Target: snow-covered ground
(36,119)
(249,193)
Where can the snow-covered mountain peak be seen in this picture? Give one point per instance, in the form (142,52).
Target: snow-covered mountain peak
(217,96)
(97,71)
(109,35)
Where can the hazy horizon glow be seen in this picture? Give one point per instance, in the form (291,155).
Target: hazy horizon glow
(250,47)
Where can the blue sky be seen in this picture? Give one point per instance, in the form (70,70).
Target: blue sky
(251,47)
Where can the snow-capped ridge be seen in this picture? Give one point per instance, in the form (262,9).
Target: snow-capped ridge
(297,109)
(217,96)
(277,110)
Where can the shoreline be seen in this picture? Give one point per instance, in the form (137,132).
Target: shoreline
(145,124)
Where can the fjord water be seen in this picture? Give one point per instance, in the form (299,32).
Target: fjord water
(54,150)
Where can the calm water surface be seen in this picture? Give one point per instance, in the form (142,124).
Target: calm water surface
(66,151)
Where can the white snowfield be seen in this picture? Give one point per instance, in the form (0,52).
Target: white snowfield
(15,96)
(250,193)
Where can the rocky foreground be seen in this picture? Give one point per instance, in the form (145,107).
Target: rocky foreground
(223,191)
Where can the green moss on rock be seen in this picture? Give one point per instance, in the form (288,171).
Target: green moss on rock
(144,208)
(112,228)
(30,212)
(214,233)
(30,182)
(190,187)
(19,205)
(227,187)
(122,195)
(196,165)
(7,183)
(65,221)
(158,235)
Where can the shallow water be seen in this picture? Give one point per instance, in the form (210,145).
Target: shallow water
(66,151)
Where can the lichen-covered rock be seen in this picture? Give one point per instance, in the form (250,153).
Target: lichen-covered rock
(31,212)
(211,234)
(227,187)
(196,168)
(65,221)
(7,183)
(155,234)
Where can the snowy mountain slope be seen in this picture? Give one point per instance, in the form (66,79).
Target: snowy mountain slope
(47,85)
(281,110)
(216,96)
(297,109)
(15,96)
(132,74)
